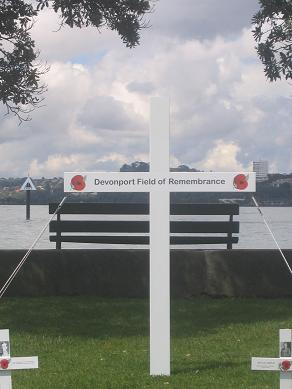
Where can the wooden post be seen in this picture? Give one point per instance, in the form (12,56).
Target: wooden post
(58,234)
(229,244)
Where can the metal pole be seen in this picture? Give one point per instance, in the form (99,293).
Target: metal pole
(28,205)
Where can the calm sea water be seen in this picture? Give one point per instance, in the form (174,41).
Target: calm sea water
(17,233)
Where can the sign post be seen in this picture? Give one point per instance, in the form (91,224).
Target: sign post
(8,364)
(159,182)
(283,364)
(28,186)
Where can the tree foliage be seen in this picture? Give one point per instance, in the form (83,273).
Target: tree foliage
(273,34)
(21,89)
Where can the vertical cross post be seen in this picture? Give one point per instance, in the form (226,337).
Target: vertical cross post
(159,241)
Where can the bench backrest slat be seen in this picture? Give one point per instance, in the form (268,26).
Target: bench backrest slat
(143,209)
(204,209)
(102,208)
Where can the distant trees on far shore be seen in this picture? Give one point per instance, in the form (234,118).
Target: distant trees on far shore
(277,190)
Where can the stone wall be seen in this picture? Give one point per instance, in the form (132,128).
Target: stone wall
(125,273)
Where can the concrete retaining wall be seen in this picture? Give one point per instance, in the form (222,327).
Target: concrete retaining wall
(125,273)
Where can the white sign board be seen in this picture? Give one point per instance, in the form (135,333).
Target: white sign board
(28,185)
(149,182)
(7,364)
(159,182)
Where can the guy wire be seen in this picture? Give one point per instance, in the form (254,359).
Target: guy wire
(24,258)
(273,236)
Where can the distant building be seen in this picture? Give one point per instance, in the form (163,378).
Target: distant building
(261,168)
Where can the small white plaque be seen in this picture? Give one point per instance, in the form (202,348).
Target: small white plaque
(23,363)
(273,364)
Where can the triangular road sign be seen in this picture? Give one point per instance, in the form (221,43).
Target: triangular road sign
(28,185)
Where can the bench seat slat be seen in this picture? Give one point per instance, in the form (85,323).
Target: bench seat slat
(202,239)
(100,226)
(142,226)
(182,240)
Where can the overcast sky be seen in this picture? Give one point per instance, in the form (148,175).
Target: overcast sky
(224,114)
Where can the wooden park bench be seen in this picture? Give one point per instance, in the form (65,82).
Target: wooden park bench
(120,232)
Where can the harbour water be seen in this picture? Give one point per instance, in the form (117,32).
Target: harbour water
(17,233)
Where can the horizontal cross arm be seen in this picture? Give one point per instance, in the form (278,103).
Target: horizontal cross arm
(21,363)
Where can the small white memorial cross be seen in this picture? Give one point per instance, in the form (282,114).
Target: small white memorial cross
(282,364)
(7,364)
(159,182)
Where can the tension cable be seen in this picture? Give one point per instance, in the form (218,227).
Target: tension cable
(273,236)
(22,261)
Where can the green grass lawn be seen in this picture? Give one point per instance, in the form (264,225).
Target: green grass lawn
(87,342)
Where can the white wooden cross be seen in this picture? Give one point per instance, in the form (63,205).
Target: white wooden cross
(159,182)
(7,364)
(283,364)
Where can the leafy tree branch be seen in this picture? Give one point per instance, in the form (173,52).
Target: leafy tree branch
(21,89)
(273,34)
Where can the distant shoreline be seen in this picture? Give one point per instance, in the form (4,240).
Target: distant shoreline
(266,204)
(275,192)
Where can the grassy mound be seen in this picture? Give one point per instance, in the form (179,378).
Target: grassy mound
(91,343)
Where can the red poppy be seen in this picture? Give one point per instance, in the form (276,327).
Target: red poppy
(4,363)
(78,182)
(240,181)
(285,365)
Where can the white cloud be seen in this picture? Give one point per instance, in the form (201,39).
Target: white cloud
(224,114)
(222,157)
(55,164)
